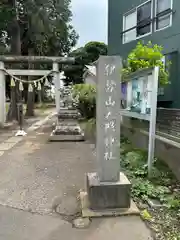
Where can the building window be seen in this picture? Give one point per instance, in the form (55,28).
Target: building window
(163,14)
(130,23)
(144,19)
(138,22)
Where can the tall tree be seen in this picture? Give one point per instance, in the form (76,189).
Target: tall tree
(84,56)
(94,50)
(40,25)
(14,32)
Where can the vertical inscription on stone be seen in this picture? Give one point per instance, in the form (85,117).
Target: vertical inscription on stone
(108,118)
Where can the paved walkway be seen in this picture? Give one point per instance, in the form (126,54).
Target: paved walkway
(7,136)
(36,176)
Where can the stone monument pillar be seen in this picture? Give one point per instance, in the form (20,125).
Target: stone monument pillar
(68,128)
(57,85)
(108,187)
(61,78)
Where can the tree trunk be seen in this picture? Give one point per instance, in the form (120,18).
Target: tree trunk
(15,50)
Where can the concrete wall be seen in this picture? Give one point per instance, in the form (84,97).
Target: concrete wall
(169,38)
(165,149)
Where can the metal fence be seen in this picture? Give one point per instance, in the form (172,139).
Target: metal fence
(168,121)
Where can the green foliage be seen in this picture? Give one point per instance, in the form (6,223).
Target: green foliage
(145,190)
(133,160)
(44,25)
(173,236)
(134,163)
(161,187)
(89,53)
(85,98)
(92,121)
(94,50)
(91,125)
(84,56)
(173,202)
(35,27)
(146,215)
(146,56)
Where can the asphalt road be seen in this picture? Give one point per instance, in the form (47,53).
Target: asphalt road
(35,176)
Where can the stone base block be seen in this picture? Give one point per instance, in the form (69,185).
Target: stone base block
(66,138)
(88,212)
(68,117)
(108,195)
(68,114)
(68,128)
(64,133)
(63,122)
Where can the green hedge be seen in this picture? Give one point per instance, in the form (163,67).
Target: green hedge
(85,99)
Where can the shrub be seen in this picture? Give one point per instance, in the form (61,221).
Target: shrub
(84,96)
(146,56)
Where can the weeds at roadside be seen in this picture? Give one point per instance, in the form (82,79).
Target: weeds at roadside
(162,187)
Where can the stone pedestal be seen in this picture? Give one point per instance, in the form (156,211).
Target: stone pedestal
(108,195)
(67,132)
(67,128)
(108,190)
(68,114)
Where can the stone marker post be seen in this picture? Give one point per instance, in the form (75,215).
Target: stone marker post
(108,118)
(108,188)
(56,78)
(2,95)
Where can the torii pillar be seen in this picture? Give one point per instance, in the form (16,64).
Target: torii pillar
(2,95)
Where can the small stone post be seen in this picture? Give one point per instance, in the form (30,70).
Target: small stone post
(20,116)
(61,78)
(108,188)
(57,85)
(2,95)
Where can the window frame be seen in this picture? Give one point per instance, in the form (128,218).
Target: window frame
(170,15)
(124,20)
(135,10)
(151,17)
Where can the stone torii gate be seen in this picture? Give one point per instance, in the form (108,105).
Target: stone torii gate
(27,72)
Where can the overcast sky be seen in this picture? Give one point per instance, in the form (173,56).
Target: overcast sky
(90,20)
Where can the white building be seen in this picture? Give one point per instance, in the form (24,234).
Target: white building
(90,75)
